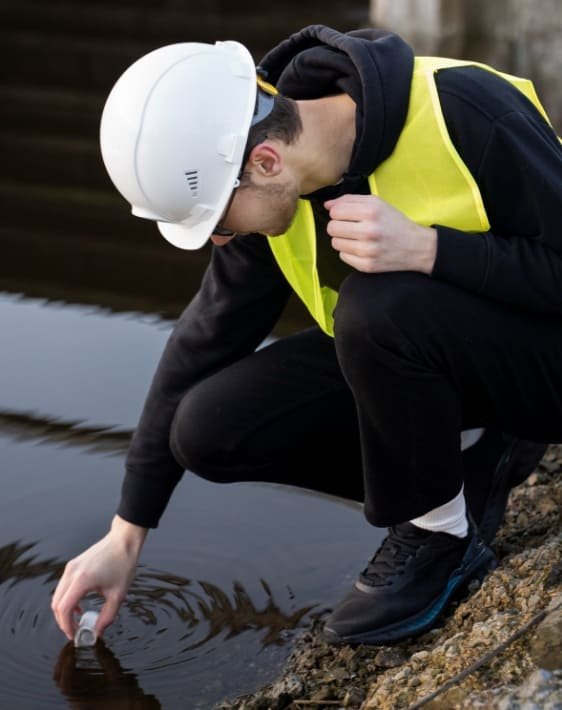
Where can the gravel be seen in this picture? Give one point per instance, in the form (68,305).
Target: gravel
(499,648)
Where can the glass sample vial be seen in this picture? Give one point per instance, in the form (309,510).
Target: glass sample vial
(85,635)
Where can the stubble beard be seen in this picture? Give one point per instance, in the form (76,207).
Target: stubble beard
(283,202)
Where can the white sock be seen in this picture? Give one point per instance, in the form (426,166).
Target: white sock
(448,518)
(469,437)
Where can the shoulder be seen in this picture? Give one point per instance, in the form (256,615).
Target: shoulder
(481,92)
(487,116)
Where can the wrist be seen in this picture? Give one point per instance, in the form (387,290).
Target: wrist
(427,253)
(130,535)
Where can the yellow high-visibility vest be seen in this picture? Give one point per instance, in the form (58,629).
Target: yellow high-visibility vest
(424,177)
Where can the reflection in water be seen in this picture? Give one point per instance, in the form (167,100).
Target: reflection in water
(189,602)
(14,567)
(29,426)
(69,376)
(221,614)
(161,624)
(94,678)
(189,642)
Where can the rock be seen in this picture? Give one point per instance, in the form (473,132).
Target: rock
(390,657)
(291,685)
(447,700)
(420,657)
(282,702)
(546,645)
(555,603)
(403,674)
(535,684)
(547,506)
(325,693)
(542,690)
(396,677)
(554,576)
(337,674)
(354,697)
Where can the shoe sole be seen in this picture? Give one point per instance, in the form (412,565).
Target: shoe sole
(459,582)
(517,463)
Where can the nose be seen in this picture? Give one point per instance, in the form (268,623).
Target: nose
(220,241)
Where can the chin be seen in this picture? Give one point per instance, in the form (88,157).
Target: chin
(279,230)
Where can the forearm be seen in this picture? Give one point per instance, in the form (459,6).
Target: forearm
(520,271)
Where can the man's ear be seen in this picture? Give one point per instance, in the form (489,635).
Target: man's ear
(266,160)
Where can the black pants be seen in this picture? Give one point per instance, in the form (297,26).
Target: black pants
(376,413)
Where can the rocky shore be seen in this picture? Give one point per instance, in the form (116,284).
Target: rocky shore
(499,648)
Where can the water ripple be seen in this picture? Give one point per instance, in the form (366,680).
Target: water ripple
(166,621)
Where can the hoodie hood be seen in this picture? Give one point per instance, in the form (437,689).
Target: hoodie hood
(372,66)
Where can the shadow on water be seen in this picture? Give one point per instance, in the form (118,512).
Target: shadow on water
(88,296)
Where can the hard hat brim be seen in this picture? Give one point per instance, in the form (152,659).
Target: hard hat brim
(183,237)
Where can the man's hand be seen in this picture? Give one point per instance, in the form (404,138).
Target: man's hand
(373,237)
(107,568)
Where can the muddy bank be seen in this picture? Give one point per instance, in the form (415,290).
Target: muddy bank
(500,648)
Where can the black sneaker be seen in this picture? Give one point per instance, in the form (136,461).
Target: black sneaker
(492,467)
(407,585)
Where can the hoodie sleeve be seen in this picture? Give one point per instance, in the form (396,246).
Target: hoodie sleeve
(516,160)
(241,297)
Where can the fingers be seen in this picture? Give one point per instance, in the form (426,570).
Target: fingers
(354,218)
(351,199)
(353,208)
(355,247)
(106,568)
(108,613)
(65,604)
(347,230)
(367,265)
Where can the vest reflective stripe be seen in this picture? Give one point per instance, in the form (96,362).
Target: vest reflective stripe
(424,177)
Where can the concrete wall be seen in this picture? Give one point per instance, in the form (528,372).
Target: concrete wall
(519,36)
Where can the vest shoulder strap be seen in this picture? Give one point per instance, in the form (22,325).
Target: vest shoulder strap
(435,64)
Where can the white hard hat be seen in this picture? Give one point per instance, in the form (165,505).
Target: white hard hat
(173,133)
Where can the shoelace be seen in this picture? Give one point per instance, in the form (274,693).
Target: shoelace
(391,557)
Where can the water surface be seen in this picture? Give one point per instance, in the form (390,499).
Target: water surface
(224,584)
(87,298)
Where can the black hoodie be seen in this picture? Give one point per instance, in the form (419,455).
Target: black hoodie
(513,154)
(373,67)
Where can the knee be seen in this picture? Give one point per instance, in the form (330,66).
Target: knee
(195,437)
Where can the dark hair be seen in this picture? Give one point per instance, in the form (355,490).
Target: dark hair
(282,123)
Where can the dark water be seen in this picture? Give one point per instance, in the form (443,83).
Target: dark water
(224,584)
(87,298)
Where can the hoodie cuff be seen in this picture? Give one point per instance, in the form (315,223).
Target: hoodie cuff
(143,501)
(462,258)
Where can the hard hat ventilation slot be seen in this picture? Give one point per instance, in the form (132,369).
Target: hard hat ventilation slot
(193,181)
